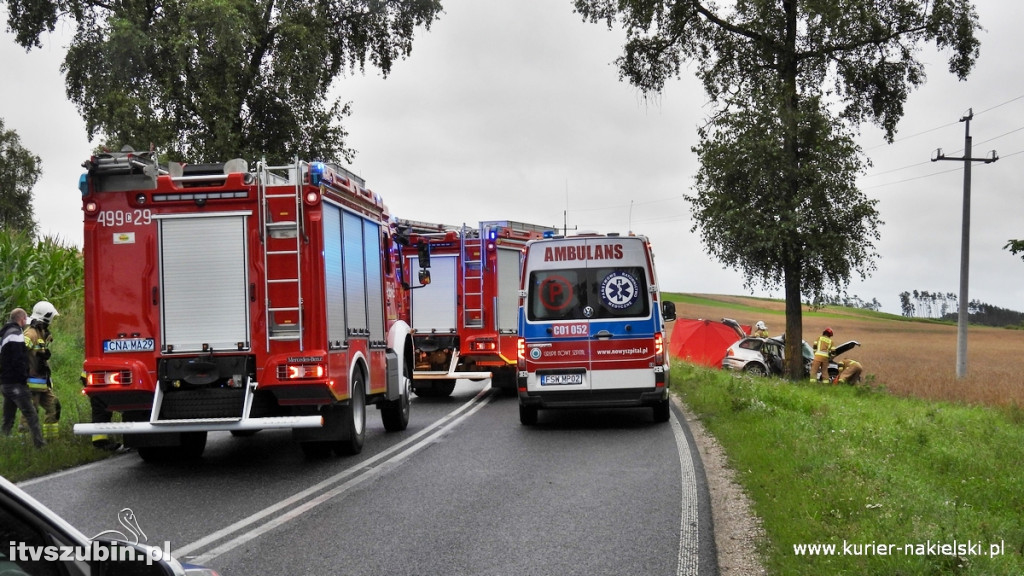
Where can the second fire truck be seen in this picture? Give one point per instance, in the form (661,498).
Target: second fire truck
(220,298)
(465,319)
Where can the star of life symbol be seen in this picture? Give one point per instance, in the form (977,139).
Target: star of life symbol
(619,290)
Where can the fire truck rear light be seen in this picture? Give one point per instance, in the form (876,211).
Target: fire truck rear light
(312,197)
(300,371)
(484,345)
(119,378)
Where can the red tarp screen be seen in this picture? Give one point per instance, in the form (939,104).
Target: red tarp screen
(702,341)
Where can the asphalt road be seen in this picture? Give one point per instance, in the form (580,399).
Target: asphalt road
(465,490)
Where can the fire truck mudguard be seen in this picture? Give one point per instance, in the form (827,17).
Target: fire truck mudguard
(220,298)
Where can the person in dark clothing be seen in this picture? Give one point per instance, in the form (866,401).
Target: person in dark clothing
(14,377)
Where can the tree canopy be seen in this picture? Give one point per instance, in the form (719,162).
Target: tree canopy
(209,80)
(791,81)
(19,172)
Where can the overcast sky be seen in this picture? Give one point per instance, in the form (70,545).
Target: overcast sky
(512,109)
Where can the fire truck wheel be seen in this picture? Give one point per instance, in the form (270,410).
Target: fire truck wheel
(356,420)
(444,388)
(395,413)
(527,415)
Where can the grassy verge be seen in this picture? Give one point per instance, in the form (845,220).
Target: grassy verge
(19,459)
(869,473)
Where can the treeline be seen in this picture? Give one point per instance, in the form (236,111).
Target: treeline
(847,301)
(945,306)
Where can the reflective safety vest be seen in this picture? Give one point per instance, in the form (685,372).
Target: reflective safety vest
(823,346)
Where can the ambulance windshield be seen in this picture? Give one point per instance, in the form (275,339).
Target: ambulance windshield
(588,294)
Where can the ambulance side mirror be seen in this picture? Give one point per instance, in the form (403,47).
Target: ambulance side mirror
(668,310)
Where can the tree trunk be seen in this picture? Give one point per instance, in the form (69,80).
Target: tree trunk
(793,257)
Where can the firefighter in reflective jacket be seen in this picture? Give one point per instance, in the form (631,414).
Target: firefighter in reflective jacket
(849,372)
(822,354)
(38,339)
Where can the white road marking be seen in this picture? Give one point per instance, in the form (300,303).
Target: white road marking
(344,480)
(689,528)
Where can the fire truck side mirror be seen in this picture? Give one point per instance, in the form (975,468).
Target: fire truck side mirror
(424,276)
(423,252)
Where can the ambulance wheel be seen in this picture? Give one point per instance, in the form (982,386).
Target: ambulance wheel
(527,415)
(662,411)
(355,420)
(395,413)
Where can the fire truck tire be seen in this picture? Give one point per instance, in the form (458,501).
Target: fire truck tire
(355,420)
(444,388)
(243,433)
(436,389)
(395,413)
(504,379)
(527,415)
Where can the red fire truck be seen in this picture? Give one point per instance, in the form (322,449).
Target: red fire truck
(465,319)
(220,298)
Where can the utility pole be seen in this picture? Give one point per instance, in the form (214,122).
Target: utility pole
(965,241)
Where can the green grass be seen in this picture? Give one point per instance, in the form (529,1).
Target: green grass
(842,465)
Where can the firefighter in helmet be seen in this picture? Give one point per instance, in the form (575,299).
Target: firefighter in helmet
(38,339)
(760,329)
(849,372)
(822,354)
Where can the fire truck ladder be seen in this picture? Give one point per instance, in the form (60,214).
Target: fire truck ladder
(282,264)
(472,258)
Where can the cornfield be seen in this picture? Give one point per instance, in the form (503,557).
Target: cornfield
(35,270)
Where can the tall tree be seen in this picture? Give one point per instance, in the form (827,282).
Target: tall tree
(791,82)
(209,80)
(19,172)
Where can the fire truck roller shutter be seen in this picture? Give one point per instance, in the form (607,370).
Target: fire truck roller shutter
(354,277)
(355,271)
(204,282)
(434,305)
(507,310)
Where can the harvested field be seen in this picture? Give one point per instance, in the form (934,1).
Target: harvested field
(907,358)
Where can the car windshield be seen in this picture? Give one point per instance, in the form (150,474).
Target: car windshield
(588,293)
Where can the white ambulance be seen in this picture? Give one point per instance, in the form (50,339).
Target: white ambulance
(591,326)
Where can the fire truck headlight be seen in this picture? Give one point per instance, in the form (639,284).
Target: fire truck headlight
(91,208)
(140,199)
(312,197)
